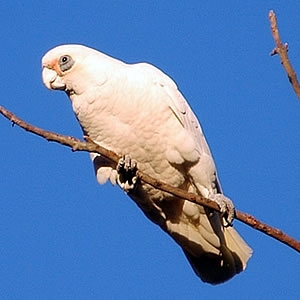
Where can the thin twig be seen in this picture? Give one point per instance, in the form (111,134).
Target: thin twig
(90,146)
(282,50)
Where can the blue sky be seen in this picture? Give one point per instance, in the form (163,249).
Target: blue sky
(62,236)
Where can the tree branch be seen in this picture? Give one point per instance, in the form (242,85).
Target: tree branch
(90,146)
(282,50)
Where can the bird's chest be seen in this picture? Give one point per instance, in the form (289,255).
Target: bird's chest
(140,129)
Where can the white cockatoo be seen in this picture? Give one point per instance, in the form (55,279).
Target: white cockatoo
(138,112)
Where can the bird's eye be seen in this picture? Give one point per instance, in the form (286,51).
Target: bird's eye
(65,63)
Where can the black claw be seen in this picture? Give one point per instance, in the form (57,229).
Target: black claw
(127,171)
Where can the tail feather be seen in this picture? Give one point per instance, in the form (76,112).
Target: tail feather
(215,269)
(237,245)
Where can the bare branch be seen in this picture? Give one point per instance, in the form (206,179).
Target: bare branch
(90,146)
(282,50)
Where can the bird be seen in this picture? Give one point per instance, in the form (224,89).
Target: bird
(138,112)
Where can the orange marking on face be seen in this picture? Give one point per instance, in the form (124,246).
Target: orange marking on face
(56,67)
(53,65)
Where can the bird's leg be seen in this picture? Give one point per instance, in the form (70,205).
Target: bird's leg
(126,170)
(226,207)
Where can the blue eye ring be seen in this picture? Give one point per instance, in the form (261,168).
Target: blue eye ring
(65,63)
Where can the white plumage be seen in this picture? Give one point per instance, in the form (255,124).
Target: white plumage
(137,110)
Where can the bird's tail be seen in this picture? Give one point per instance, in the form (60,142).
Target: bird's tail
(233,257)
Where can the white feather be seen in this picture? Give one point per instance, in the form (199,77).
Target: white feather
(138,110)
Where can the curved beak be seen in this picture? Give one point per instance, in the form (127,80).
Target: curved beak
(52,80)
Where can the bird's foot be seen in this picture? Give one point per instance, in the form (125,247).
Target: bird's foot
(226,207)
(127,176)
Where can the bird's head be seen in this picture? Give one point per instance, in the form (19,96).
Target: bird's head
(71,68)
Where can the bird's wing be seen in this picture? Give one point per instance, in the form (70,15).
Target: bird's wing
(178,105)
(182,112)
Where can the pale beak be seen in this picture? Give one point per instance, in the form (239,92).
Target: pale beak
(51,80)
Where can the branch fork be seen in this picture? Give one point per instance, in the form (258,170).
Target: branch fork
(89,146)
